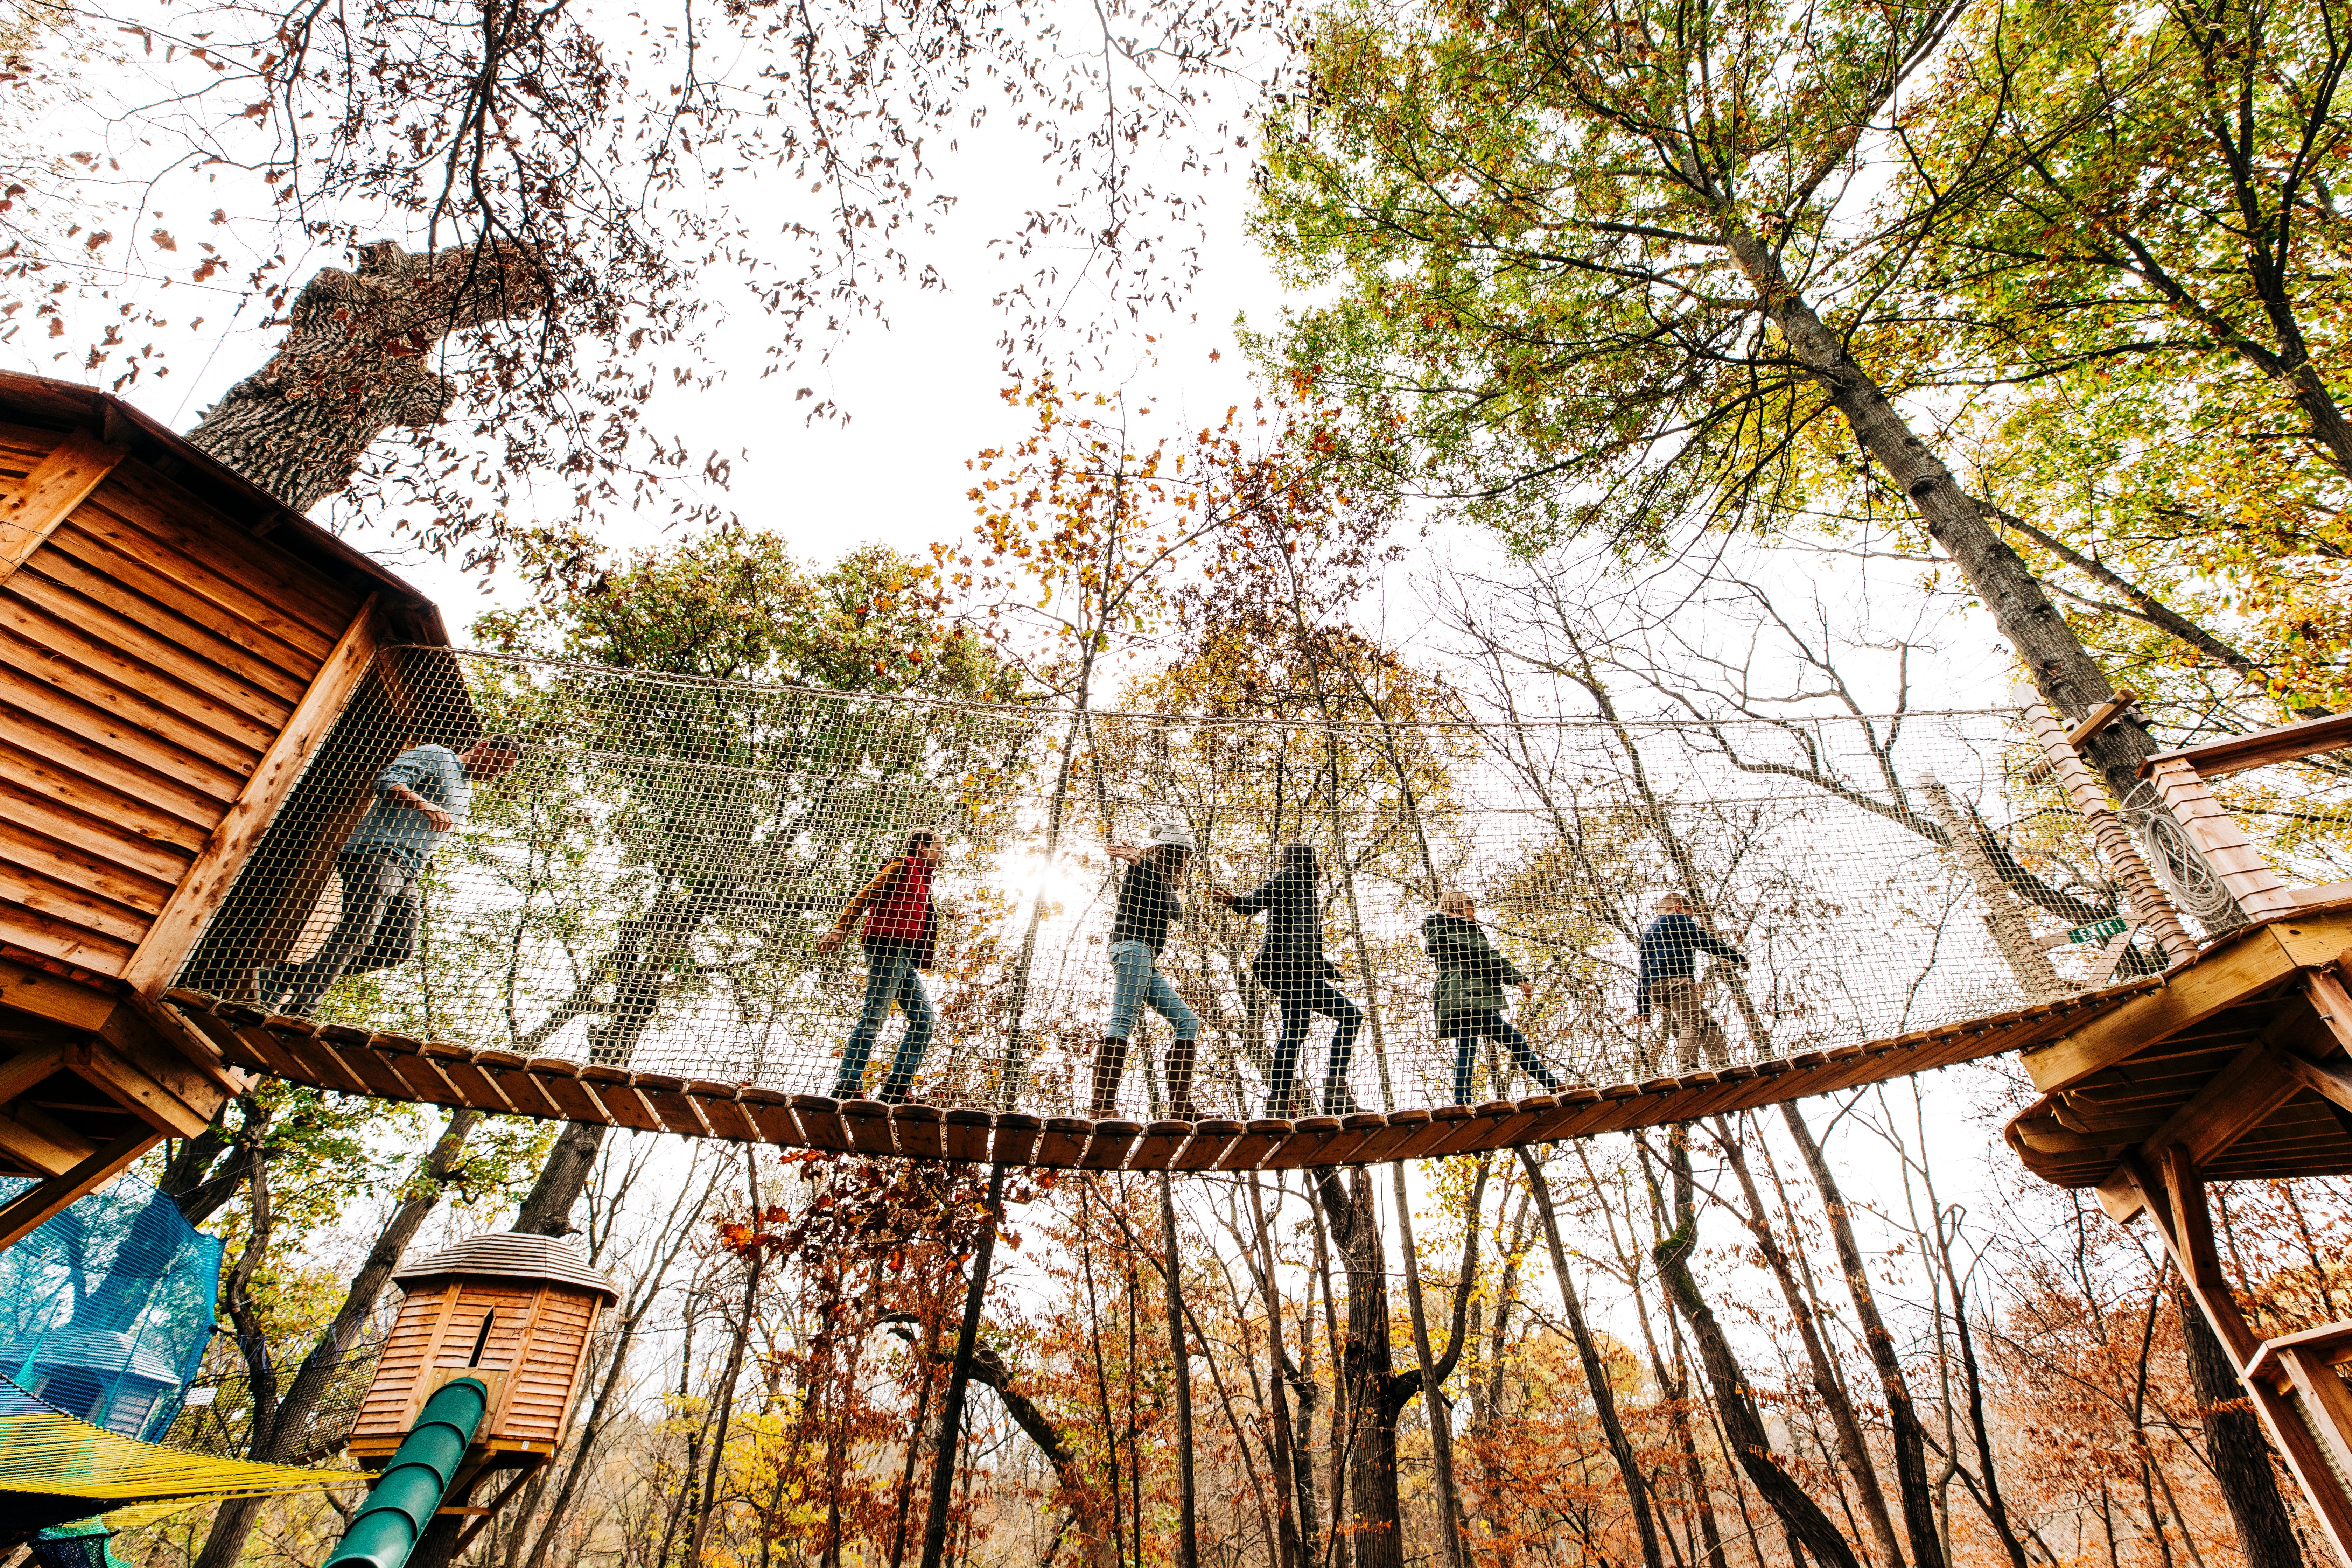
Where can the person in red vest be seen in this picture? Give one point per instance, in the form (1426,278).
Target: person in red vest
(900,934)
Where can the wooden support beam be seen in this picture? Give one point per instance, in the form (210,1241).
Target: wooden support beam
(25,1068)
(2222,977)
(43,995)
(2105,714)
(43,1201)
(58,483)
(208,881)
(31,1136)
(2284,743)
(2306,1436)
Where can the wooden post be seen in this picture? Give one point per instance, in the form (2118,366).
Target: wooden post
(2002,918)
(43,1200)
(2307,1432)
(2114,839)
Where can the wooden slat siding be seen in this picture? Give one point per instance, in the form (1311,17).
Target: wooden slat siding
(548,1379)
(78,833)
(119,751)
(209,877)
(383,1412)
(252,623)
(101,874)
(90,671)
(85,743)
(56,576)
(241,596)
(137,495)
(30,774)
(66,939)
(49,493)
(267,693)
(22,446)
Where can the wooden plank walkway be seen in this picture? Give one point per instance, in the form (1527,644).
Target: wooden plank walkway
(356,1061)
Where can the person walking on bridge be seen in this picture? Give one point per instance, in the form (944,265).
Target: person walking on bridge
(1670,949)
(1468,996)
(900,936)
(1138,929)
(1290,963)
(422,797)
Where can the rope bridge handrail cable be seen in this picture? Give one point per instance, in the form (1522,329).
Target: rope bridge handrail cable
(637,875)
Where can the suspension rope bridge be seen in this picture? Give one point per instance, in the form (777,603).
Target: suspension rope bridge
(625,928)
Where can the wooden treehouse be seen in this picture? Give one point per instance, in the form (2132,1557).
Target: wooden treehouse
(174,647)
(2237,1067)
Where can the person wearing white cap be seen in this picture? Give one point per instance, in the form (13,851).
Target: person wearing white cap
(1138,929)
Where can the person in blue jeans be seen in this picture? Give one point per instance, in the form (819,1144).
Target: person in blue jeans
(424,795)
(1468,996)
(1291,965)
(1138,929)
(900,935)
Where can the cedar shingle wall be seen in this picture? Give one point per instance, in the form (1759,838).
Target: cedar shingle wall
(149,652)
(548,1326)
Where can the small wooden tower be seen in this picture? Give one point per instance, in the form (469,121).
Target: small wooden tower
(175,649)
(517,1312)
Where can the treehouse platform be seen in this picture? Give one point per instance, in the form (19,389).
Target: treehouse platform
(174,647)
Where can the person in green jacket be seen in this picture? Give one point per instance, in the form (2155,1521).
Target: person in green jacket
(1469,997)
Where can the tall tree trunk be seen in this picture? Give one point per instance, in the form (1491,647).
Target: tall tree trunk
(1188,1543)
(1596,1375)
(1851,1447)
(275,1440)
(1432,1393)
(352,364)
(2061,668)
(1366,1369)
(1902,1413)
(1735,1401)
(2235,1446)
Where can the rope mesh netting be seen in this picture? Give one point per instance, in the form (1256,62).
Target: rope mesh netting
(647,887)
(106,1309)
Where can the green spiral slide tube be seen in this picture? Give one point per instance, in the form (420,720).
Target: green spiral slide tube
(402,1501)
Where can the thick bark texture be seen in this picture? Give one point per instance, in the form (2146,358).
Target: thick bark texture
(277,1433)
(563,1177)
(1902,1413)
(352,364)
(2234,1445)
(2062,669)
(1367,1370)
(1735,1401)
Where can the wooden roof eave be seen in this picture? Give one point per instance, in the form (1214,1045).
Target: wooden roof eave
(2273,997)
(66,405)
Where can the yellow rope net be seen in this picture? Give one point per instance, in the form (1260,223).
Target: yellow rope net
(44,1451)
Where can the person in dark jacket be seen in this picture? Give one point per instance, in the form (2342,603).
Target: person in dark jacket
(1468,996)
(1290,963)
(1670,948)
(901,930)
(1138,929)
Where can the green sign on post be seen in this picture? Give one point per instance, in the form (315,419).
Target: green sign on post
(2114,925)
